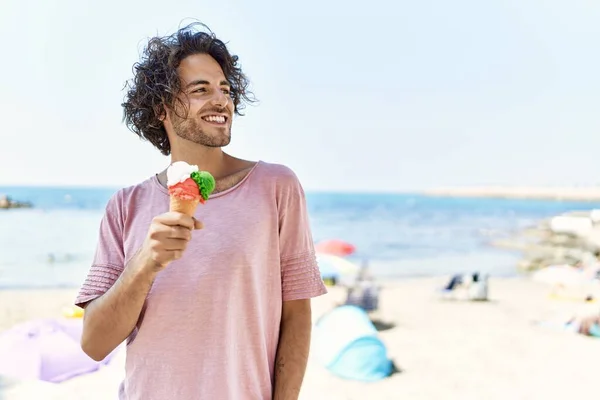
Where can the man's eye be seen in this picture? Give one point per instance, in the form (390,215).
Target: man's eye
(227,91)
(199,90)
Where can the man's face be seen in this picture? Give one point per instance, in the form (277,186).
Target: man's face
(211,108)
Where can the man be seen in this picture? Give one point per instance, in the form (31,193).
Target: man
(216,306)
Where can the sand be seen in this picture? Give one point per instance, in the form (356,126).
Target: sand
(445,349)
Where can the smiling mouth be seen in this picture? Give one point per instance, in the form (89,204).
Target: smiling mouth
(215,119)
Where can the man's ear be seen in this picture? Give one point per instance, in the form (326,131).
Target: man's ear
(162,112)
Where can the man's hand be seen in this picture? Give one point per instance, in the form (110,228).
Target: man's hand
(167,238)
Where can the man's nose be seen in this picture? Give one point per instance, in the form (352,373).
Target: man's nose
(220,99)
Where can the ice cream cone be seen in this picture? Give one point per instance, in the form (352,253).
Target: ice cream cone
(187,207)
(188,186)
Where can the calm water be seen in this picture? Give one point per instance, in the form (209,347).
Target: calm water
(402,235)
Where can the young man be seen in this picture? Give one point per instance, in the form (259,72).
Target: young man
(216,306)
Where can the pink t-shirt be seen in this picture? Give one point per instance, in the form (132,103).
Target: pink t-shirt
(210,324)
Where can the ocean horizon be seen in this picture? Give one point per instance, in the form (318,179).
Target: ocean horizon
(399,234)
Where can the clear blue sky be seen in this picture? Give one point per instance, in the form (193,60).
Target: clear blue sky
(409,94)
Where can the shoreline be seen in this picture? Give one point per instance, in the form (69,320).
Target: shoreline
(585,194)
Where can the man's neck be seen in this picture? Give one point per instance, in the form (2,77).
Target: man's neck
(227,170)
(211,159)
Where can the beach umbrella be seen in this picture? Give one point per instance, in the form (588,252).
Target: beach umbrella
(336,247)
(335,266)
(47,350)
(328,271)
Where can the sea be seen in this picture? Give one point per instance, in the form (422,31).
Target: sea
(399,235)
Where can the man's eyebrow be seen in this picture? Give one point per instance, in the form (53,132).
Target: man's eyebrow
(205,82)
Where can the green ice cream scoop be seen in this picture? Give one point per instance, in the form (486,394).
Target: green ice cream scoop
(206,183)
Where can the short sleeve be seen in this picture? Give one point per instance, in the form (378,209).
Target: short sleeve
(108,261)
(300,275)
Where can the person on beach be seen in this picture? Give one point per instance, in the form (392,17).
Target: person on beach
(588,325)
(215,306)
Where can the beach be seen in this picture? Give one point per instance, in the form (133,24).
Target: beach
(464,165)
(444,349)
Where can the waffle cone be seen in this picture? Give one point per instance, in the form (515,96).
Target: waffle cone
(187,207)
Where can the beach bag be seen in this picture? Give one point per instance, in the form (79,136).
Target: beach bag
(347,343)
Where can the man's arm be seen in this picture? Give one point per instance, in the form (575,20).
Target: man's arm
(293,349)
(110,318)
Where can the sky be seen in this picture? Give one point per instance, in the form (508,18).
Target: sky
(377,96)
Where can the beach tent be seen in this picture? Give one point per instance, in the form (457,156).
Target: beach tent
(47,350)
(346,342)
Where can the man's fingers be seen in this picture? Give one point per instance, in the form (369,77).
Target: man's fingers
(171,255)
(179,232)
(198,224)
(174,218)
(174,244)
(177,254)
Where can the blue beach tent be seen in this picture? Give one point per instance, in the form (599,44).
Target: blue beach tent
(347,344)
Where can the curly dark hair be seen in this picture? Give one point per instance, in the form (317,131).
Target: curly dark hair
(156,83)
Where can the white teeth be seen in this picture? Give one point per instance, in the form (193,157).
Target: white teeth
(215,118)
